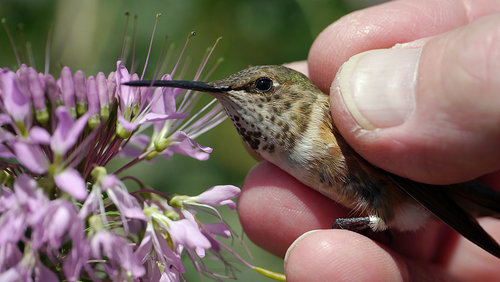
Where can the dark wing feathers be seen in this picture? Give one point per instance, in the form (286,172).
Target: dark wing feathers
(437,200)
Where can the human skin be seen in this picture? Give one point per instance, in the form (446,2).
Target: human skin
(275,209)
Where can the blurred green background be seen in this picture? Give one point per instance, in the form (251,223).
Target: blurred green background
(88,34)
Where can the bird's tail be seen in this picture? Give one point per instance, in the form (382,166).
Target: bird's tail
(476,198)
(458,205)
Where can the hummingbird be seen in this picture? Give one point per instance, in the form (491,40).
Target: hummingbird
(285,119)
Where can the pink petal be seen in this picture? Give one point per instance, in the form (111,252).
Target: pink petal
(31,157)
(124,92)
(127,125)
(149,117)
(67,87)
(184,145)
(67,131)
(71,182)
(217,228)
(126,204)
(15,101)
(219,195)
(39,135)
(186,233)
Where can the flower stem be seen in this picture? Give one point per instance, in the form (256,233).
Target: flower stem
(270,274)
(133,162)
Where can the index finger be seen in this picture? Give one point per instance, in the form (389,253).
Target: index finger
(385,25)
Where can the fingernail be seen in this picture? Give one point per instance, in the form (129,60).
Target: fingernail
(290,249)
(378,86)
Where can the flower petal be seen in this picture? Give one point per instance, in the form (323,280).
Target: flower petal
(31,157)
(124,92)
(36,89)
(220,229)
(127,125)
(11,255)
(117,192)
(186,233)
(67,87)
(149,117)
(219,195)
(15,101)
(39,135)
(112,247)
(183,144)
(12,227)
(60,218)
(71,182)
(67,131)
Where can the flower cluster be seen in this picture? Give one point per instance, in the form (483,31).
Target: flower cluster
(63,216)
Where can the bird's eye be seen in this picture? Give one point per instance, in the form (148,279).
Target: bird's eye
(264,84)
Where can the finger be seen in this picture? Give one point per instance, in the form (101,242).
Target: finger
(471,263)
(430,114)
(339,255)
(385,25)
(491,180)
(275,209)
(300,66)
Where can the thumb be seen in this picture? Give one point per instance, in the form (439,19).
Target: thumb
(341,255)
(430,113)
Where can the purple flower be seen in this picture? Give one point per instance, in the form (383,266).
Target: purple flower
(155,249)
(76,260)
(10,256)
(181,143)
(48,221)
(118,194)
(67,131)
(119,254)
(59,222)
(31,155)
(20,209)
(57,136)
(186,234)
(212,197)
(134,106)
(28,269)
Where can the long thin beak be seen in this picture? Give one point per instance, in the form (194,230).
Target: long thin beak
(184,84)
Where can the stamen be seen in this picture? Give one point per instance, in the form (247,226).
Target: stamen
(127,18)
(185,67)
(12,43)
(198,74)
(190,35)
(205,60)
(31,58)
(48,44)
(27,53)
(197,114)
(214,67)
(134,36)
(205,126)
(162,52)
(150,45)
(167,58)
(22,43)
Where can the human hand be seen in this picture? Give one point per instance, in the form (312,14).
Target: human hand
(448,133)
